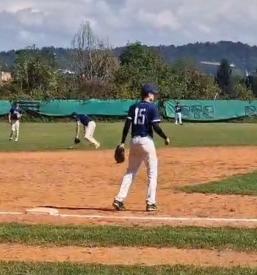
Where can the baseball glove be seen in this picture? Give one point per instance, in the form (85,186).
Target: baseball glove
(119,154)
(76,140)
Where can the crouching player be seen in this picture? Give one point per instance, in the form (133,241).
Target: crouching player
(89,128)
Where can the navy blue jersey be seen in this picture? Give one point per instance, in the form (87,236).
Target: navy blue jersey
(15,113)
(178,109)
(142,116)
(84,119)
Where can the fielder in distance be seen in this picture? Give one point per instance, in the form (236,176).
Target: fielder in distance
(89,126)
(14,118)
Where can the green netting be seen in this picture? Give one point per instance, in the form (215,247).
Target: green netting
(212,110)
(5,107)
(90,107)
(194,110)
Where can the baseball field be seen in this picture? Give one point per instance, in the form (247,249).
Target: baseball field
(207,200)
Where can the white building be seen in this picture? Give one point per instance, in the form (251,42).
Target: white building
(5,77)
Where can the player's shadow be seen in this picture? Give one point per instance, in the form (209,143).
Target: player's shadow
(102,209)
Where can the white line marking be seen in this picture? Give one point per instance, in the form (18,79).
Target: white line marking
(144,218)
(141,218)
(10,213)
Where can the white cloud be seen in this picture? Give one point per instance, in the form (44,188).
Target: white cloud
(203,28)
(162,20)
(30,17)
(54,22)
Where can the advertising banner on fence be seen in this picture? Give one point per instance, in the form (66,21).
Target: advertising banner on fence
(211,110)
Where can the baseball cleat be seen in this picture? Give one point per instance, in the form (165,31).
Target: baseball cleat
(151,207)
(118,205)
(97,145)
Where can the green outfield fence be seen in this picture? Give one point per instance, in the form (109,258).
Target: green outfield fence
(192,110)
(4,107)
(212,110)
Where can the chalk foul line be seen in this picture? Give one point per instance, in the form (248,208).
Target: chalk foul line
(136,218)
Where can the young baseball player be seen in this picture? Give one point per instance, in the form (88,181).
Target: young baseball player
(144,118)
(14,117)
(178,114)
(89,128)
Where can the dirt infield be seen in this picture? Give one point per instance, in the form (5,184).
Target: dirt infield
(85,182)
(144,256)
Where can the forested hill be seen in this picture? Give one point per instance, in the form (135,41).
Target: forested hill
(243,56)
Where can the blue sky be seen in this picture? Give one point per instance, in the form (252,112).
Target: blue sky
(154,22)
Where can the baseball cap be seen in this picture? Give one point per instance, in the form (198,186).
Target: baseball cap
(150,88)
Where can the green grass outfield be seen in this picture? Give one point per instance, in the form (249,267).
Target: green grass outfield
(15,268)
(90,236)
(109,236)
(236,185)
(59,136)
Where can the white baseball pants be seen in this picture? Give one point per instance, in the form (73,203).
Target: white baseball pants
(89,133)
(178,118)
(15,129)
(142,149)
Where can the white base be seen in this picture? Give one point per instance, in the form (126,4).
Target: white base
(43,211)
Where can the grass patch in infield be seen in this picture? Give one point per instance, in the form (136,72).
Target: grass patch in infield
(59,136)
(108,236)
(76,269)
(237,185)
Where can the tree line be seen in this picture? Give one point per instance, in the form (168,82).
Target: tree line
(94,71)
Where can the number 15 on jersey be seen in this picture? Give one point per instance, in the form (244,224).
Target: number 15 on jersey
(139,118)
